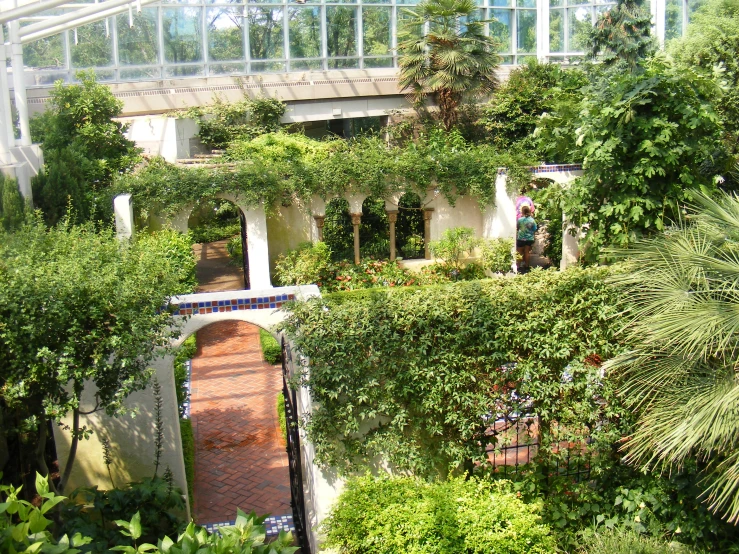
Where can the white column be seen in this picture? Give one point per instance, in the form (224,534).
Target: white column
(6,121)
(19,86)
(570,246)
(123,209)
(257,247)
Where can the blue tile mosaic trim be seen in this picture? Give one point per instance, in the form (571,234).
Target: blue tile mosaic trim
(555,168)
(273,525)
(232,305)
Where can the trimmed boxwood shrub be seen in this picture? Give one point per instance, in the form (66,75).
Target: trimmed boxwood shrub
(399,515)
(270,347)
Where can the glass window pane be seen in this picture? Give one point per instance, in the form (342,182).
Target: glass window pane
(580,23)
(555,3)
(94,46)
(138,45)
(45,53)
(225,34)
(184,71)
(343,63)
(526,3)
(376,31)
(266,41)
(182,28)
(341,30)
(267,67)
(138,74)
(526,31)
(693,5)
(305,32)
(303,65)
(501,3)
(227,68)
(378,62)
(673,19)
(556,31)
(500,28)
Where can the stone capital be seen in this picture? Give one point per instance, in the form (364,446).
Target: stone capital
(392,216)
(427,213)
(320,220)
(356,219)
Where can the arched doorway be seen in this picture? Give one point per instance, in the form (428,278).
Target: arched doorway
(374,237)
(218,228)
(409,230)
(338,231)
(239,459)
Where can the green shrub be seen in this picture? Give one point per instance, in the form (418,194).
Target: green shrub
(453,245)
(281,415)
(270,347)
(213,231)
(188,453)
(177,249)
(307,264)
(185,352)
(625,541)
(497,255)
(235,249)
(12,207)
(398,515)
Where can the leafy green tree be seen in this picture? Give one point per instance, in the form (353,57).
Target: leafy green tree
(712,41)
(80,120)
(60,189)
(445,53)
(12,207)
(622,34)
(680,376)
(530,91)
(78,308)
(649,140)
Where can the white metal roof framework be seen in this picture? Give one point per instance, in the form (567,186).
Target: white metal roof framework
(11,11)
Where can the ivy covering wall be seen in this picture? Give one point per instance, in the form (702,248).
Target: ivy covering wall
(281,168)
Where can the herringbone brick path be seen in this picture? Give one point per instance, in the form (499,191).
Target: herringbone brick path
(240,458)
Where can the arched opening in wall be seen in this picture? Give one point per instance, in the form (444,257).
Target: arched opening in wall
(338,231)
(238,457)
(374,234)
(218,229)
(546,196)
(409,228)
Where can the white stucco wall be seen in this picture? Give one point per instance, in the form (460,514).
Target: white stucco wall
(287,226)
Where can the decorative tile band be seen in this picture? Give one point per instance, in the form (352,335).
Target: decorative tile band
(555,168)
(232,305)
(273,525)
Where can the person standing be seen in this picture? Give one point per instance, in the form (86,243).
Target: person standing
(525,229)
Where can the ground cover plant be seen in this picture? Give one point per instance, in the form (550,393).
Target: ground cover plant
(397,515)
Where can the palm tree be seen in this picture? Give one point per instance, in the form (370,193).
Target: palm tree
(682,375)
(444,53)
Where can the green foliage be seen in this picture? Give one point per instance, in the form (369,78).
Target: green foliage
(270,347)
(185,352)
(416,369)
(680,375)
(711,40)
(79,307)
(12,207)
(235,249)
(279,168)
(650,140)
(222,122)
(281,417)
(549,202)
(530,91)
(188,455)
(445,52)
(622,35)
(497,255)
(215,231)
(91,146)
(624,541)
(25,527)
(307,264)
(396,515)
(453,245)
(155,503)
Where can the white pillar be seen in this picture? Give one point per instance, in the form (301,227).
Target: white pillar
(123,209)
(570,246)
(257,247)
(7,137)
(19,85)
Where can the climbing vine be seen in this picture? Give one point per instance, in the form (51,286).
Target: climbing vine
(281,168)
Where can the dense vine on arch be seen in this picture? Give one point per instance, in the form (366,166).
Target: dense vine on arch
(281,168)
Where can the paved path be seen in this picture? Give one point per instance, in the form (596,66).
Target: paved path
(240,458)
(214,270)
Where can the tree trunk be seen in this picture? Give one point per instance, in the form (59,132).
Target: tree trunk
(448,102)
(72,450)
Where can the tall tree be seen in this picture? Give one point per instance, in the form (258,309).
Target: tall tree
(78,308)
(681,375)
(444,53)
(623,34)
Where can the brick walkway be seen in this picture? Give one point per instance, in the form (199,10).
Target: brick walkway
(214,270)
(240,458)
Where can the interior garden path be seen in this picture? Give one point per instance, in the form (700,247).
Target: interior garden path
(240,459)
(214,270)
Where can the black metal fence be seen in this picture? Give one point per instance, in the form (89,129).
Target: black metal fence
(297,500)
